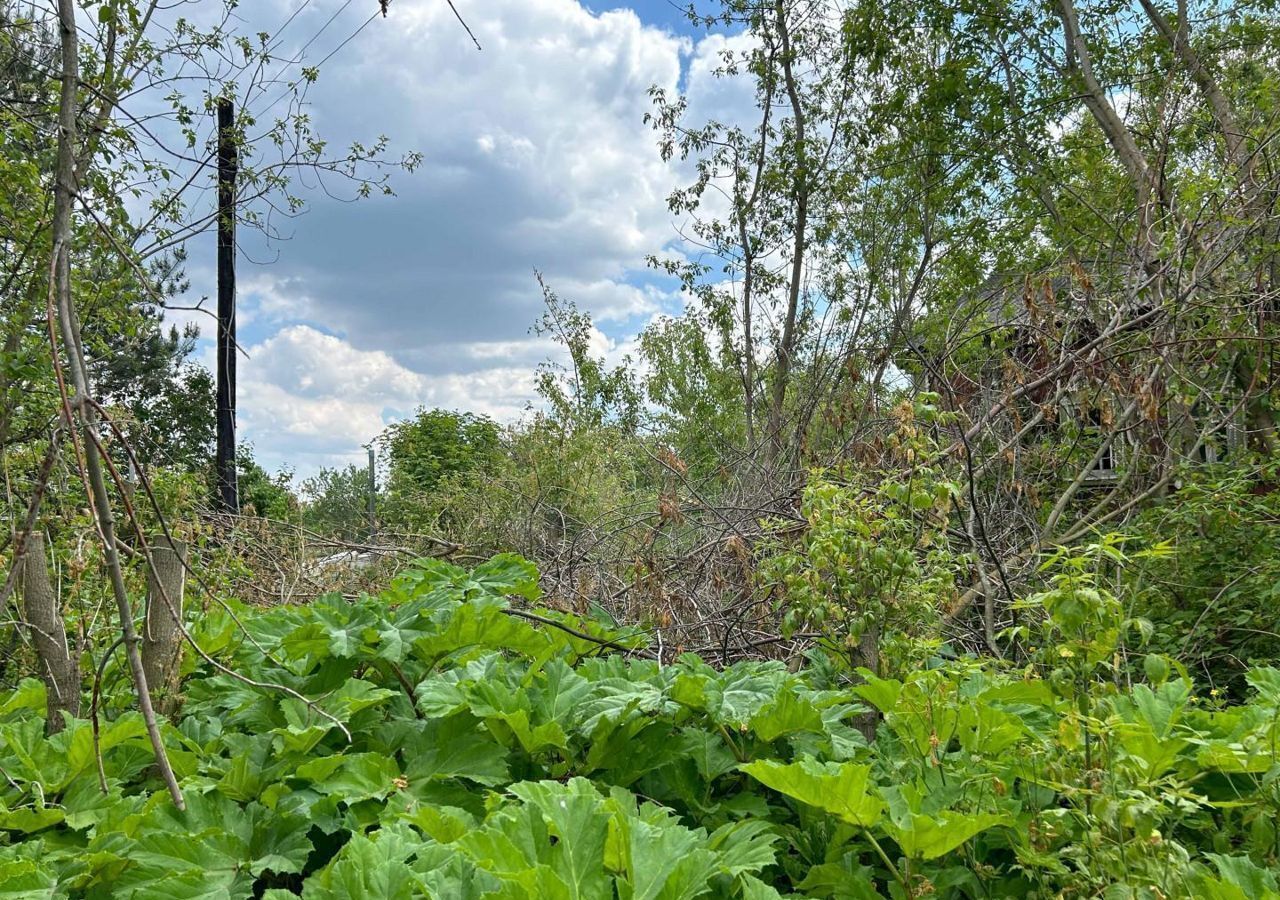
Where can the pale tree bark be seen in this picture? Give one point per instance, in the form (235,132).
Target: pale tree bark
(787,341)
(1151,196)
(65,192)
(162,637)
(1080,61)
(1178,39)
(42,613)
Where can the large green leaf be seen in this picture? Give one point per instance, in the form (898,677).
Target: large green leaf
(576,819)
(25,874)
(216,848)
(455,748)
(786,714)
(374,865)
(841,789)
(928,836)
(1240,878)
(506,573)
(353,778)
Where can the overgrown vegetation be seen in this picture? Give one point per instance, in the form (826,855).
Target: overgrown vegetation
(456,749)
(932,549)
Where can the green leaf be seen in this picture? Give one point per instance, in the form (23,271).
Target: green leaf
(743,847)
(1266,681)
(837,788)
(504,574)
(215,848)
(1243,878)
(370,866)
(360,776)
(846,880)
(787,714)
(709,753)
(658,857)
(928,836)
(575,818)
(28,819)
(455,748)
(28,695)
(882,693)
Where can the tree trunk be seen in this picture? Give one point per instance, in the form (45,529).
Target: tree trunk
(787,342)
(65,194)
(42,613)
(868,656)
(162,638)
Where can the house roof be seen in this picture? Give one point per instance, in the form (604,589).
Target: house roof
(1018,300)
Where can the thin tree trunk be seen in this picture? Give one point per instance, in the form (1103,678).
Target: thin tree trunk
(1219,105)
(64,201)
(787,342)
(42,612)
(1117,133)
(748,275)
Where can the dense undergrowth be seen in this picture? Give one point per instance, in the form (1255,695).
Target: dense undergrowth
(458,750)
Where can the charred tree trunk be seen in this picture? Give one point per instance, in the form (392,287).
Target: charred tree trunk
(225,455)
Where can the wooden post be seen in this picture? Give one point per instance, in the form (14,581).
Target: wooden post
(43,615)
(225,458)
(162,638)
(373,496)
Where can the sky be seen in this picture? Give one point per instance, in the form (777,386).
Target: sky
(535,156)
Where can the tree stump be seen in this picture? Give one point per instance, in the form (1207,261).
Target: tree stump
(42,614)
(162,634)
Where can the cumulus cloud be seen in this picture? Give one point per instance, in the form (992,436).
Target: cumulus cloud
(536,156)
(310,399)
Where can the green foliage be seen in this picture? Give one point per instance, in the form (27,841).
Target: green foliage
(585,393)
(337,503)
(432,458)
(1213,595)
(492,757)
(549,485)
(436,444)
(263,494)
(695,391)
(873,562)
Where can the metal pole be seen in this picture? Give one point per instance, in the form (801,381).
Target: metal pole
(225,460)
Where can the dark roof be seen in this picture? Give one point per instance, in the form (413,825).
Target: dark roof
(1012,299)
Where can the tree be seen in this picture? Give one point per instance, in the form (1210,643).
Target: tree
(584,394)
(1057,217)
(434,445)
(110,142)
(337,503)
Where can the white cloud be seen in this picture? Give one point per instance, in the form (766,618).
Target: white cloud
(536,155)
(309,399)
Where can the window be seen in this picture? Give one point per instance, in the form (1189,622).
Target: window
(1097,437)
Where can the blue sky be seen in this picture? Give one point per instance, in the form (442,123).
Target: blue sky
(658,13)
(535,156)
